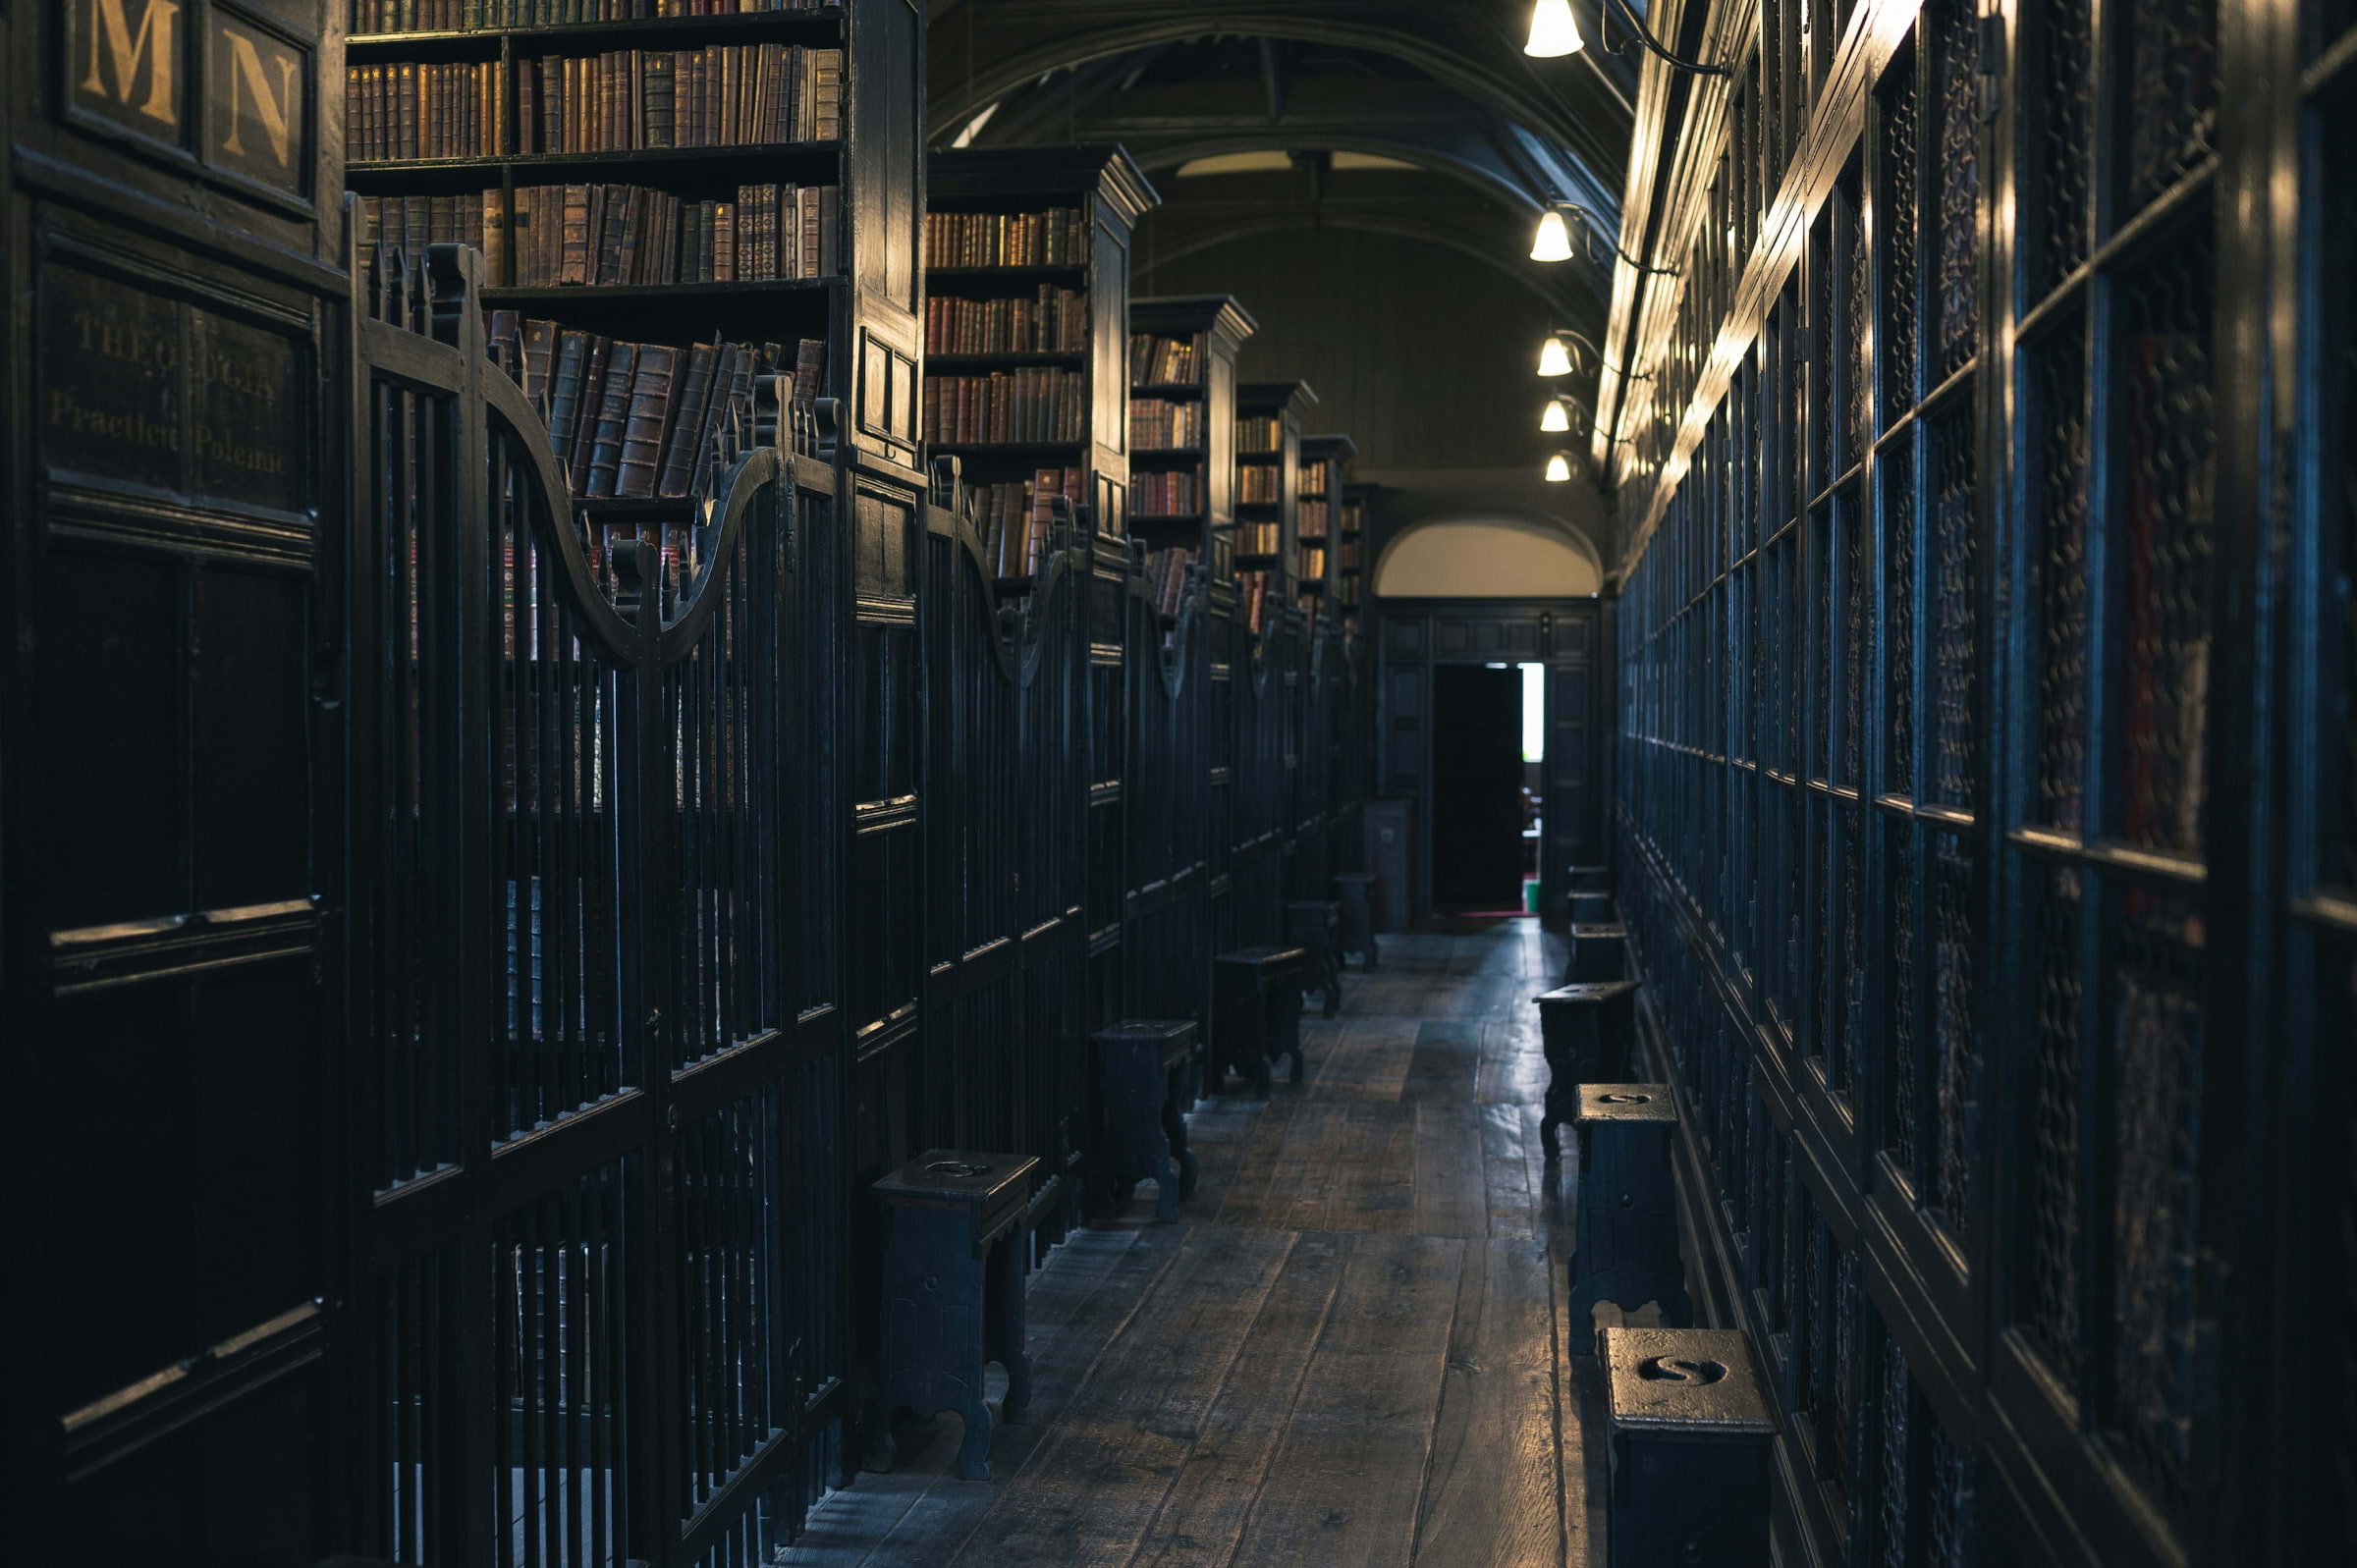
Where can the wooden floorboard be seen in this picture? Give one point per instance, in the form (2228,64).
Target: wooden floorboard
(1353,1350)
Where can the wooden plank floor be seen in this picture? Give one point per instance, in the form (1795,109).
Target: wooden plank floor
(1350,1350)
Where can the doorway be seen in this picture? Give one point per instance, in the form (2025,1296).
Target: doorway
(1483,816)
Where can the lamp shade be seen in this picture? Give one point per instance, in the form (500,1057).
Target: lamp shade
(1553,359)
(1553,31)
(1552,240)
(1555,416)
(1558,469)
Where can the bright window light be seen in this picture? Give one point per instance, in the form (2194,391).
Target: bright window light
(1534,713)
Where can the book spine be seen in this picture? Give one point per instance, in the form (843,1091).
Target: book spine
(695,398)
(613,419)
(649,415)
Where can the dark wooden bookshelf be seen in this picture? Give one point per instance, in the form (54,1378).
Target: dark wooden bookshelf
(1289,404)
(1325,466)
(874,47)
(1350,537)
(1105,189)
(1217,326)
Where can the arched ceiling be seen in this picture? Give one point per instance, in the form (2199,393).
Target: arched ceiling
(1489,135)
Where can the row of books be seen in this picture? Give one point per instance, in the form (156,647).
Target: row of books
(1166,577)
(1259,538)
(422,110)
(1349,554)
(1313,563)
(1014,519)
(640,419)
(1164,495)
(1055,238)
(591,235)
(1157,423)
(1029,404)
(722,96)
(1260,433)
(1157,359)
(1309,517)
(1313,479)
(1052,321)
(411,223)
(1354,516)
(465,16)
(1257,483)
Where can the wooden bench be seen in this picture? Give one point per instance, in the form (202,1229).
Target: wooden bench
(1584,1031)
(1625,1249)
(1356,892)
(1256,1013)
(952,1295)
(1311,924)
(1142,1067)
(1691,1442)
(1599,953)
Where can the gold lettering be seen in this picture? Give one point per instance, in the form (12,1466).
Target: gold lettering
(247,81)
(128,51)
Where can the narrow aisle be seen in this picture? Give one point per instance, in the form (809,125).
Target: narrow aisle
(1348,1351)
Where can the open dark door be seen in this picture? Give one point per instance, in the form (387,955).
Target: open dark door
(1476,787)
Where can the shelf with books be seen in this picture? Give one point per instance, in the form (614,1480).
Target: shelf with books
(1325,462)
(1181,359)
(1003,361)
(371,36)
(681,169)
(1268,434)
(1025,250)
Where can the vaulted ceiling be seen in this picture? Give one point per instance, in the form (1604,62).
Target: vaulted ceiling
(1418,118)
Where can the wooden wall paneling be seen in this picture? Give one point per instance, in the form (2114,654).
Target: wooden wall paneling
(1986,1006)
(174,886)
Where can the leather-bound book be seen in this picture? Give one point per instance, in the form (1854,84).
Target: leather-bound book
(564,392)
(613,419)
(696,401)
(584,419)
(810,368)
(649,417)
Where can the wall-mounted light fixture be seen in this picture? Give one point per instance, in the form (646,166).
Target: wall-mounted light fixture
(1551,239)
(1558,468)
(1565,353)
(1563,415)
(1554,33)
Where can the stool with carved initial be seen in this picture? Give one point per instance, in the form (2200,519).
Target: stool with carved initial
(1691,1447)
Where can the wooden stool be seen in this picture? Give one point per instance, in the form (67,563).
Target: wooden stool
(1584,1031)
(1591,879)
(1625,1250)
(954,1292)
(1142,1066)
(1691,1445)
(1310,925)
(1599,953)
(1592,909)
(1353,889)
(1256,1013)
